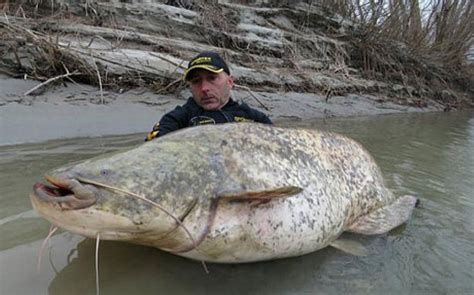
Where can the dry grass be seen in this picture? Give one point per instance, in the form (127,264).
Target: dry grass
(42,57)
(39,56)
(217,24)
(31,8)
(408,39)
(410,42)
(397,41)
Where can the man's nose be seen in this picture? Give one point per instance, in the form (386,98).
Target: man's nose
(205,86)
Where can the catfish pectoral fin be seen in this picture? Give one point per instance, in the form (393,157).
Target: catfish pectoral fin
(281,192)
(349,246)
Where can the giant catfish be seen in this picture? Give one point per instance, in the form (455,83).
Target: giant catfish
(228,193)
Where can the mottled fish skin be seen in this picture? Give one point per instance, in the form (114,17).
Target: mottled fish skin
(187,171)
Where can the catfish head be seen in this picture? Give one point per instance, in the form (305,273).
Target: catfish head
(140,195)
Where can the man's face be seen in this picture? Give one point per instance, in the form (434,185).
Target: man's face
(211,91)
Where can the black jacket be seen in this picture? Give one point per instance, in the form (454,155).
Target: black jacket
(191,114)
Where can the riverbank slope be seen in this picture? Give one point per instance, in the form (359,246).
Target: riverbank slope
(106,68)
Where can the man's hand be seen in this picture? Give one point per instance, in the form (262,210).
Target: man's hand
(154,133)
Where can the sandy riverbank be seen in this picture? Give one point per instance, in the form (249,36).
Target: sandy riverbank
(270,49)
(73,110)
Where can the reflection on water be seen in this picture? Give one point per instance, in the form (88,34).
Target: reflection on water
(428,155)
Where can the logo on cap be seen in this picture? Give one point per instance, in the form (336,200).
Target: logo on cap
(202,60)
(209,61)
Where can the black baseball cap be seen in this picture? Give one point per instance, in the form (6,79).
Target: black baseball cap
(209,61)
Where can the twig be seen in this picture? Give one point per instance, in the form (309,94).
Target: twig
(20,9)
(71,80)
(6,18)
(15,28)
(253,95)
(51,80)
(4,71)
(100,80)
(169,85)
(112,47)
(167,60)
(176,69)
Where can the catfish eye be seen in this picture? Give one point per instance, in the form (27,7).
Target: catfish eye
(105,172)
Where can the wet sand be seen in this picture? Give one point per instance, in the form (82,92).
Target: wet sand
(73,110)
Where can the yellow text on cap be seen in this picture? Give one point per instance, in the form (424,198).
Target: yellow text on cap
(200,60)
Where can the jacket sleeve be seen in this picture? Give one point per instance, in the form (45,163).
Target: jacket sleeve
(171,121)
(262,118)
(256,115)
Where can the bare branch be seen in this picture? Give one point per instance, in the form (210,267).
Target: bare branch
(51,80)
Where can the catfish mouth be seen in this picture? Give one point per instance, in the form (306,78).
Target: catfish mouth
(69,194)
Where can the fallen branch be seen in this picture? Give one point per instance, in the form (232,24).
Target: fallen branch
(169,85)
(180,65)
(99,79)
(253,95)
(51,80)
(114,62)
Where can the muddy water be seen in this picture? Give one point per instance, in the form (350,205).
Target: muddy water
(429,155)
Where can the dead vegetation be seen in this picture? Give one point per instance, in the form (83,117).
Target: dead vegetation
(418,47)
(423,44)
(30,50)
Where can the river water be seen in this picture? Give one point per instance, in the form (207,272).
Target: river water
(427,155)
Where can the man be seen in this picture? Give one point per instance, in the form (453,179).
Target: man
(210,82)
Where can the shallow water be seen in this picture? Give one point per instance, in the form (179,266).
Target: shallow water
(428,155)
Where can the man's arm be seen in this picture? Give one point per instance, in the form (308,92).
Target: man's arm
(256,115)
(262,118)
(172,121)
